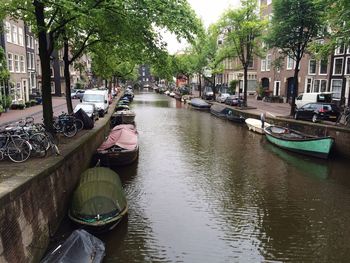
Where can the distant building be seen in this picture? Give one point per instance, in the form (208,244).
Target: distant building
(145,77)
(16,60)
(31,57)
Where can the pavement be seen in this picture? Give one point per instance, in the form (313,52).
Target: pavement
(58,104)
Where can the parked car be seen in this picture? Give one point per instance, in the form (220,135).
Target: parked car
(313,97)
(318,111)
(233,100)
(99,98)
(89,109)
(208,93)
(77,94)
(222,97)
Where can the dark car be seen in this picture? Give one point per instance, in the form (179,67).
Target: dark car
(318,111)
(233,100)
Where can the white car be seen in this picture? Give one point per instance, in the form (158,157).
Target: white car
(222,97)
(89,109)
(167,92)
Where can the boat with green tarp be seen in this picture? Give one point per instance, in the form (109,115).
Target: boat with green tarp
(99,202)
(299,142)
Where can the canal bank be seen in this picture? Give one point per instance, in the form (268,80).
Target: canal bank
(34,195)
(340,134)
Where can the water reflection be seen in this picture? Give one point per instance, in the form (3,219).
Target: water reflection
(207,190)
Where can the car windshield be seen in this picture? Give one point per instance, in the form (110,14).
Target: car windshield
(93,98)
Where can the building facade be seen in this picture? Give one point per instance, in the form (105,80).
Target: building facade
(16,59)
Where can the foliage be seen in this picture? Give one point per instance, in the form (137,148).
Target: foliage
(1,108)
(4,73)
(293,35)
(241,30)
(232,86)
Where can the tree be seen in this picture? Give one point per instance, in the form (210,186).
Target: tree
(295,24)
(241,30)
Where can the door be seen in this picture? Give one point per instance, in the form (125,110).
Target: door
(290,88)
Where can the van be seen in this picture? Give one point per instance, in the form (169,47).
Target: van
(99,98)
(312,97)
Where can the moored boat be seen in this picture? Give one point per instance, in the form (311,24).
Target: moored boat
(80,246)
(199,104)
(299,142)
(256,125)
(99,201)
(219,111)
(123,117)
(121,146)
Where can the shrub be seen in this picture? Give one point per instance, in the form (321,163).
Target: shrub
(32,102)
(21,106)
(14,106)
(1,108)
(28,104)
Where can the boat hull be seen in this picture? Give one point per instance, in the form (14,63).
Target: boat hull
(255,125)
(120,158)
(313,146)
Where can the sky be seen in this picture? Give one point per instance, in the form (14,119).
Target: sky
(208,10)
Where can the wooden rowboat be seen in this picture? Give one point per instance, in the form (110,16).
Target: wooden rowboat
(299,142)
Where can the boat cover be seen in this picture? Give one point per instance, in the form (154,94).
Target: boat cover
(79,247)
(124,136)
(99,195)
(199,103)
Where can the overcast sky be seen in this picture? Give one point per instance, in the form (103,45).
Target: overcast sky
(208,10)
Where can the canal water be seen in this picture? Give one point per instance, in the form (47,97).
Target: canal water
(207,190)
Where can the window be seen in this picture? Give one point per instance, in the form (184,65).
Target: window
(20,36)
(340,49)
(14,35)
(28,61)
(263,64)
(268,62)
(323,67)
(22,64)
(290,63)
(347,66)
(32,61)
(8,32)
(16,63)
(32,42)
(10,62)
(251,63)
(276,88)
(336,88)
(312,66)
(28,40)
(308,85)
(320,85)
(338,66)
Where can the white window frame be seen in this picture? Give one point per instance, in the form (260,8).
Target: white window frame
(274,88)
(337,50)
(16,68)
(332,84)
(263,65)
(10,64)
(268,62)
(22,64)
(309,67)
(289,59)
(20,37)
(346,66)
(8,32)
(338,74)
(14,34)
(308,83)
(319,68)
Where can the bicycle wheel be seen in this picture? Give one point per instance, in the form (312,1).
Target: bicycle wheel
(79,124)
(70,130)
(40,144)
(18,150)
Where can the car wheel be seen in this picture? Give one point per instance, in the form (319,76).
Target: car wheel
(296,116)
(314,118)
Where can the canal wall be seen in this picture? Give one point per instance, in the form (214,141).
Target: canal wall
(341,135)
(34,199)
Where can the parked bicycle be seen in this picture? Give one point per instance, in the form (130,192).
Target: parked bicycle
(15,148)
(65,124)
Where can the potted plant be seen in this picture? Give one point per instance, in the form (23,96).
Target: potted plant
(7,103)
(260,92)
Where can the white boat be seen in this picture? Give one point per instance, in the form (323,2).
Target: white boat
(256,125)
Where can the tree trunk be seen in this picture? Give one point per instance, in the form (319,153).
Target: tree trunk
(214,88)
(67,76)
(245,86)
(45,65)
(295,87)
(200,85)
